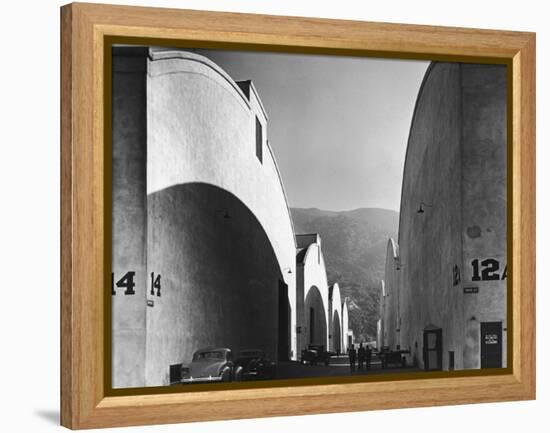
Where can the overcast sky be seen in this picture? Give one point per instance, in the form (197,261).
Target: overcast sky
(338,125)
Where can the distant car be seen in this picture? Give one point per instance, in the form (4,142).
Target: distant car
(211,365)
(255,365)
(314,354)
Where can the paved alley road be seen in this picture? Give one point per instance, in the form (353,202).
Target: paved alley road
(338,366)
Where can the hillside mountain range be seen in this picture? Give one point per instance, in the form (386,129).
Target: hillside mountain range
(354,246)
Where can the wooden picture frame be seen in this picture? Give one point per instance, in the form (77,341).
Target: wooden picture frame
(85,28)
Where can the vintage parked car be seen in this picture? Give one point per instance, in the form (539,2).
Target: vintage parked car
(211,365)
(389,357)
(315,353)
(255,365)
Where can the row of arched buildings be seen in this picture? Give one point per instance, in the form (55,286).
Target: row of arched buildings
(444,295)
(204,249)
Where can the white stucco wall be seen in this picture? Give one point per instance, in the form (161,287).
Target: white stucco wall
(345,325)
(180,85)
(456,165)
(335,308)
(201,128)
(381,323)
(391,292)
(312,278)
(186,134)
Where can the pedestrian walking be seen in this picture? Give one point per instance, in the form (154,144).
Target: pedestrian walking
(368,356)
(361,356)
(352,353)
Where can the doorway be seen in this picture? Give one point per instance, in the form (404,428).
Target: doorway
(491,344)
(283,349)
(433,346)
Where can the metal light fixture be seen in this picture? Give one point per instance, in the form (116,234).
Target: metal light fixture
(225,213)
(421,208)
(289,270)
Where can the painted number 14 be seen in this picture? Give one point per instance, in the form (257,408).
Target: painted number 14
(127,282)
(155,284)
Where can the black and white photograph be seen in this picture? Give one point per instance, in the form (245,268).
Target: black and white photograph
(283,216)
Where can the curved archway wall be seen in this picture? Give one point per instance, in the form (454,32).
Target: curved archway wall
(178,119)
(382,311)
(220,278)
(335,315)
(455,162)
(316,318)
(202,128)
(391,327)
(311,274)
(345,325)
(336,332)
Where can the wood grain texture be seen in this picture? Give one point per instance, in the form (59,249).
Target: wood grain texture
(524,225)
(84,26)
(67,389)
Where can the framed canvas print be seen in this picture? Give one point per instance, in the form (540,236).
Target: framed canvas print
(304,214)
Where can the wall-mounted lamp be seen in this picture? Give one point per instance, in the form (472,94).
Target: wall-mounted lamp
(289,270)
(421,208)
(225,213)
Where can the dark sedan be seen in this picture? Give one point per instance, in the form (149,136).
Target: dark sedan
(315,354)
(255,365)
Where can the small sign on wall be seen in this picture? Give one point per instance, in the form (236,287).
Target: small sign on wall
(491,339)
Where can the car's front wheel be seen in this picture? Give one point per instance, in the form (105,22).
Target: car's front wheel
(226,375)
(238,374)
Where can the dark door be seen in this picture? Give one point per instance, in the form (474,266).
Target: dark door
(284,323)
(451,360)
(433,346)
(491,344)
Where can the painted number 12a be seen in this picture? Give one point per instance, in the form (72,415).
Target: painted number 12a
(487,270)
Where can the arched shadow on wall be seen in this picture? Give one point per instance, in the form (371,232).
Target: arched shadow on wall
(221,278)
(336,333)
(316,318)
